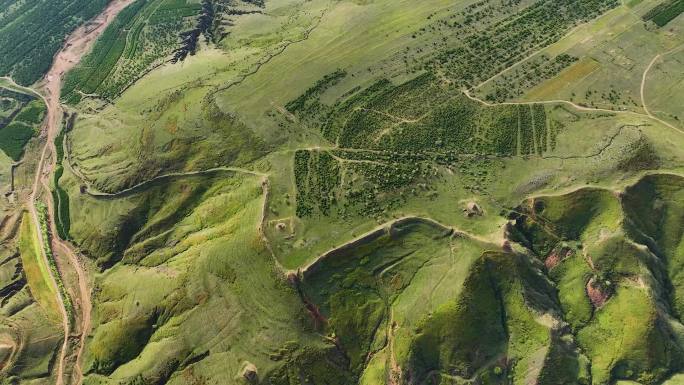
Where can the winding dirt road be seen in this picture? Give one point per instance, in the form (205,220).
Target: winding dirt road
(75,46)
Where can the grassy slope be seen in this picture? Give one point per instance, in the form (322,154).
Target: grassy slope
(197,307)
(190,293)
(31,317)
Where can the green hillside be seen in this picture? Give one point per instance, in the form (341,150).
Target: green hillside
(372,192)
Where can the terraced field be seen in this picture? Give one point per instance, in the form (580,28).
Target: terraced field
(342,192)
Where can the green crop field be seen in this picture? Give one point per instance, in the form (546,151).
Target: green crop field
(371,192)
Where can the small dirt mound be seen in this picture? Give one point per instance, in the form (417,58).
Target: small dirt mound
(292,278)
(472,209)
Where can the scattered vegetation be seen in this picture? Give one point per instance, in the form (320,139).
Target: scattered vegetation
(528,75)
(494,42)
(422,115)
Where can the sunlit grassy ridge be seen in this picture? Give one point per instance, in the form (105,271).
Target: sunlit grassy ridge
(628,324)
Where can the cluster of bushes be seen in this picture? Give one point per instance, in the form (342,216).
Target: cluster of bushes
(59,196)
(665,12)
(376,181)
(14,137)
(317,177)
(527,145)
(61,200)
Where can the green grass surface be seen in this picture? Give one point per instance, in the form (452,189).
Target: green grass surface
(626,341)
(260,165)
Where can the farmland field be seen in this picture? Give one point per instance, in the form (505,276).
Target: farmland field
(372,192)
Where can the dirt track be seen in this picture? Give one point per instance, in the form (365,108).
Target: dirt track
(643,86)
(75,46)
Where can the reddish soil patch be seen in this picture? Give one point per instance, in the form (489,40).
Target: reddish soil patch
(315,314)
(556,257)
(552,260)
(597,295)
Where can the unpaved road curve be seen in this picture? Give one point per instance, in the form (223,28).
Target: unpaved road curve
(643,86)
(90,190)
(75,46)
(387,226)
